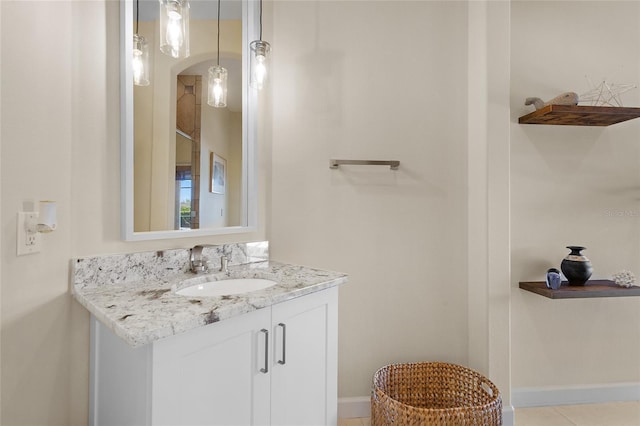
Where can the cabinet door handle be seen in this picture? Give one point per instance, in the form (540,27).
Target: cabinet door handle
(284,344)
(265,370)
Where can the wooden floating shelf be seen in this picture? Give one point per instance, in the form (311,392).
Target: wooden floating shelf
(579,115)
(593,288)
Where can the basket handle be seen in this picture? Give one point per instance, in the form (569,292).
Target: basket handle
(486,387)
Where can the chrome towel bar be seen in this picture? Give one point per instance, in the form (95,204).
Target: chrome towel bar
(394,164)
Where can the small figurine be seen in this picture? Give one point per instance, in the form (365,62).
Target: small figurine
(554,280)
(567,98)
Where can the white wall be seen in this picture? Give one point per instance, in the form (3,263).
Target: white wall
(566,183)
(36,163)
(221,134)
(488,217)
(60,140)
(375,80)
(234,172)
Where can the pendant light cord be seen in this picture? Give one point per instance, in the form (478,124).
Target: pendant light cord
(260,20)
(218,32)
(137,14)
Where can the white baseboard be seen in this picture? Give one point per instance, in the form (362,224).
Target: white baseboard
(567,395)
(360,406)
(349,408)
(508,417)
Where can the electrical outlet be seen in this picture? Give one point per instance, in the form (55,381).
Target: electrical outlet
(27,242)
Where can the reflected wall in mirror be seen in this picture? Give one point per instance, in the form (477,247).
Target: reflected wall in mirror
(169,131)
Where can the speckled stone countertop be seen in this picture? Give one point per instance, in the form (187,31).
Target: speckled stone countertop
(134,295)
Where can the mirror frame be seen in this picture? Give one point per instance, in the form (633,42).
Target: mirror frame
(249,196)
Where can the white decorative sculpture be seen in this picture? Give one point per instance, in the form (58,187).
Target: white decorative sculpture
(606,93)
(624,278)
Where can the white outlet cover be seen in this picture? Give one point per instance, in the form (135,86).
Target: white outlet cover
(27,243)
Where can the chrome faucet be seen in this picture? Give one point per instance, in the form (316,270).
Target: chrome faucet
(198,265)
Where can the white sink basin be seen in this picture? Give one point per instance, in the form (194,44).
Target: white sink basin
(226,287)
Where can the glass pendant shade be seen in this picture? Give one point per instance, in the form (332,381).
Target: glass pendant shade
(174,28)
(217,87)
(259,63)
(140,61)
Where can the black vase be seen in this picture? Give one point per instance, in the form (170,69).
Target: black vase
(576,267)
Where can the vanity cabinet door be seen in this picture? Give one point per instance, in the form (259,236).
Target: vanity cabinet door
(211,375)
(304,367)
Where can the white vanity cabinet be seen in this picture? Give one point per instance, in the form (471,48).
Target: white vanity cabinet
(276,365)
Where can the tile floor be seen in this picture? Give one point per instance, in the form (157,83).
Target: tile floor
(610,414)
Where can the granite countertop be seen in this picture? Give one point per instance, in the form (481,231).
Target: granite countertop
(146,310)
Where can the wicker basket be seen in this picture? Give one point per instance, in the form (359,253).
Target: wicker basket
(433,393)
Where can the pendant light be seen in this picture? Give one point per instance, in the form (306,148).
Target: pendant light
(259,62)
(174,28)
(217,87)
(140,60)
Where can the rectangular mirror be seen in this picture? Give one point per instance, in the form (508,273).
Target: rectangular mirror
(188,169)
